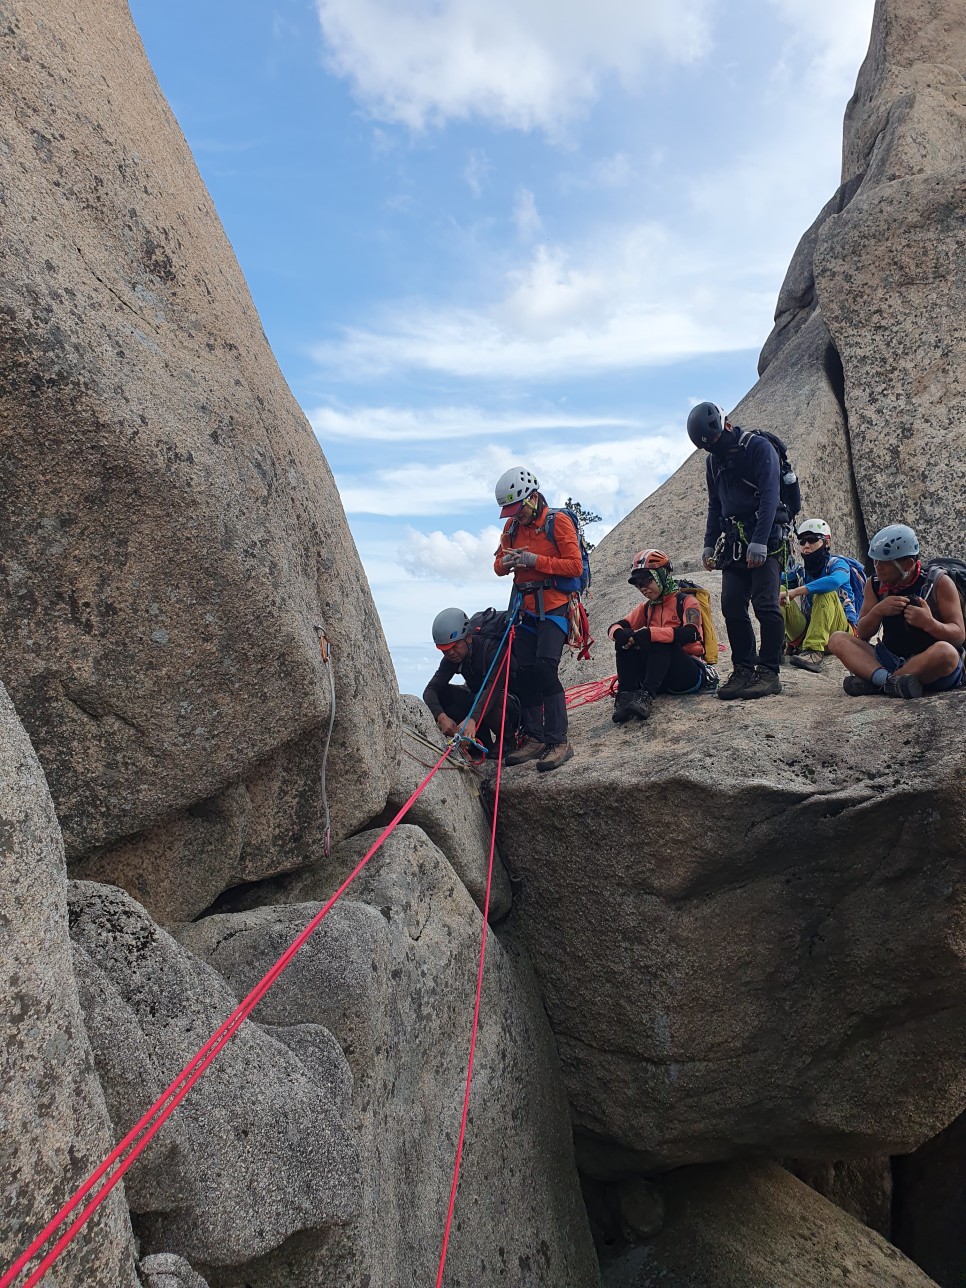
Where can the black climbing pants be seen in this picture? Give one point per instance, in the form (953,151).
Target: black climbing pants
(659,668)
(759,586)
(537,648)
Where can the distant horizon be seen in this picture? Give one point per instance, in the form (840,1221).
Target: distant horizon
(477,238)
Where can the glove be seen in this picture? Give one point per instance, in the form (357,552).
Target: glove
(623,636)
(757,554)
(524,559)
(686,634)
(707,557)
(642,637)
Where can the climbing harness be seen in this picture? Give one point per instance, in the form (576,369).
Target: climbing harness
(99,1184)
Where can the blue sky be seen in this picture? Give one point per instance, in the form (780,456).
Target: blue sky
(491,232)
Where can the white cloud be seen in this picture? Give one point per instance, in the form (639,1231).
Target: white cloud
(466,423)
(525,214)
(827,43)
(525,64)
(630,298)
(459,558)
(477,171)
(610,477)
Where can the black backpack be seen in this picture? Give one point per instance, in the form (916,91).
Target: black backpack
(488,627)
(954,568)
(789,488)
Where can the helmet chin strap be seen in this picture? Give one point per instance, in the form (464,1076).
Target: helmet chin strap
(891,587)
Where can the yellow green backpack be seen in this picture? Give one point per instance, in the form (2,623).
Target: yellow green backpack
(707,622)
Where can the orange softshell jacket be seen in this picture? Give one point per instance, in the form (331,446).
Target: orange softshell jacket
(662,617)
(554,559)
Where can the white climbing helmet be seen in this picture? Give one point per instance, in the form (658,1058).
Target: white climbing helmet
(515,485)
(817,527)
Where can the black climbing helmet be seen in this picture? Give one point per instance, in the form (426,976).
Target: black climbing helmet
(706,423)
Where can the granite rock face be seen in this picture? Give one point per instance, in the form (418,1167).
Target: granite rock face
(393,978)
(753,1225)
(163,588)
(262,1146)
(54,1126)
(746,930)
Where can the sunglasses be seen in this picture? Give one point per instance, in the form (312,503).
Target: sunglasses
(809,539)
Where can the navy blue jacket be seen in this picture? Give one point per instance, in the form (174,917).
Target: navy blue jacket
(743,484)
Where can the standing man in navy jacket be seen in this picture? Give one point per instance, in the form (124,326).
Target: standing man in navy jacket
(743,504)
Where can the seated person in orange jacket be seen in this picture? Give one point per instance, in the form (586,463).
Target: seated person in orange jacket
(658,647)
(538,563)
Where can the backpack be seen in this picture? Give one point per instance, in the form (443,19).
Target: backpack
(571,585)
(954,568)
(856,591)
(489,627)
(707,622)
(789,489)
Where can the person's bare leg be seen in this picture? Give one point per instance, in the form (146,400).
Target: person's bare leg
(855,655)
(935,663)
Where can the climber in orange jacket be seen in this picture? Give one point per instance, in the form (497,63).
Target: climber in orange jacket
(659,645)
(538,562)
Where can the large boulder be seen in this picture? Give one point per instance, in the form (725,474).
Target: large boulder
(395,985)
(262,1146)
(450,809)
(747,925)
(753,1225)
(54,1126)
(173,542)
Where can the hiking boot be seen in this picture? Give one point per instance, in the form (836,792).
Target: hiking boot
(640,704)
(622,711)
(529,749)
(763,684)
(856,687)
(739,679)
(902,686)
(809,660)
(557,754)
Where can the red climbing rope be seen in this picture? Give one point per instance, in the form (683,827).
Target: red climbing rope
(581,694)
(505,665)
(127,1151)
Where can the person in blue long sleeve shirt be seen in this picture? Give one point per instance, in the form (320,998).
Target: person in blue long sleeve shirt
(825,603)
(744,513)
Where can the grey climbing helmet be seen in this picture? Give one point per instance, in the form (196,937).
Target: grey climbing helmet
(449,627)
(897,541)
(706,424)
(516,484)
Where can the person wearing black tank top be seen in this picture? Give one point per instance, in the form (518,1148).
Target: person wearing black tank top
(921,620)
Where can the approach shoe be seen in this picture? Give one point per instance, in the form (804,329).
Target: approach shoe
(809,660)
(856,687)
(640,704)
(622,707)
(738,680)
(763,685)
(529,749)
(902,686)
(557,754)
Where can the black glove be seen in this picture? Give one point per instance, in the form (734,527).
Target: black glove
(642,637)
(686,634)
(623,636)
